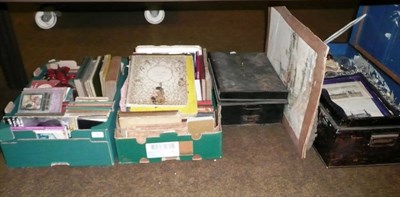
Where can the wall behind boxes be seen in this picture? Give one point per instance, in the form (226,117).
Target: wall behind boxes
(81,30)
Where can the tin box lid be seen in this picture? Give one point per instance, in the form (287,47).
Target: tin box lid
(377,37)
(246,77)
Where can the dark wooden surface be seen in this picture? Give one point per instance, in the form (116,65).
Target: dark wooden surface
(158,1)
(10,57)
(12,64)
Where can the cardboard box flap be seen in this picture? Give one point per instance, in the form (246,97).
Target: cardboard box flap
(377,37)
(5,133)
(299,58)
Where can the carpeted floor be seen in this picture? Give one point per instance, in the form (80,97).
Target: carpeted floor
(257,160)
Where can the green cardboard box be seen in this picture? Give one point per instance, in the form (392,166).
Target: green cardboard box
(93,147)
(170,145)
(86,147)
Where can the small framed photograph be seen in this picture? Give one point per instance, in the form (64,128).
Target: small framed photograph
(35,102)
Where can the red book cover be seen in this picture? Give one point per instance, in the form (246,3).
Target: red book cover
(44,83)
(204,103)
(200,71)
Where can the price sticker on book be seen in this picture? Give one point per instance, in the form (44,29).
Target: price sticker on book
(162,149)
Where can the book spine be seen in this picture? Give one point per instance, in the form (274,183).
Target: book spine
(78,81)
(103,72)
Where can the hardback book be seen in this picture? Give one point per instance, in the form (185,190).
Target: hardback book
(107,103)
(196,51)
(207,81)
(89,108)
(80,76)
(161,83)
(168,49)
(91,99)
(44,83)
(94,105)
(90,112)
(92,78)
(103,71)
(111,78)
(205,106)
(143,119)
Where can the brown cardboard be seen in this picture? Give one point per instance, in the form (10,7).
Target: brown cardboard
(186,148)
(197,127)
(203,141)
(194,127)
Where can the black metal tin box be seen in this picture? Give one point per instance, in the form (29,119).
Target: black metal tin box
(247,87)
(359,139)
(341,146)
(370,57)
(280,85)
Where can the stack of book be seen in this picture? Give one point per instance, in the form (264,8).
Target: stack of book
(89,111)
(97,77)
(168,88)
(50,107)
(41,109)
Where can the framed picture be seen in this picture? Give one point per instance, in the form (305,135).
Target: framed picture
(34,101)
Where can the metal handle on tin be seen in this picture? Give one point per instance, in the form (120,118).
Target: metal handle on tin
(250,118)
(383,140)
(250,108)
